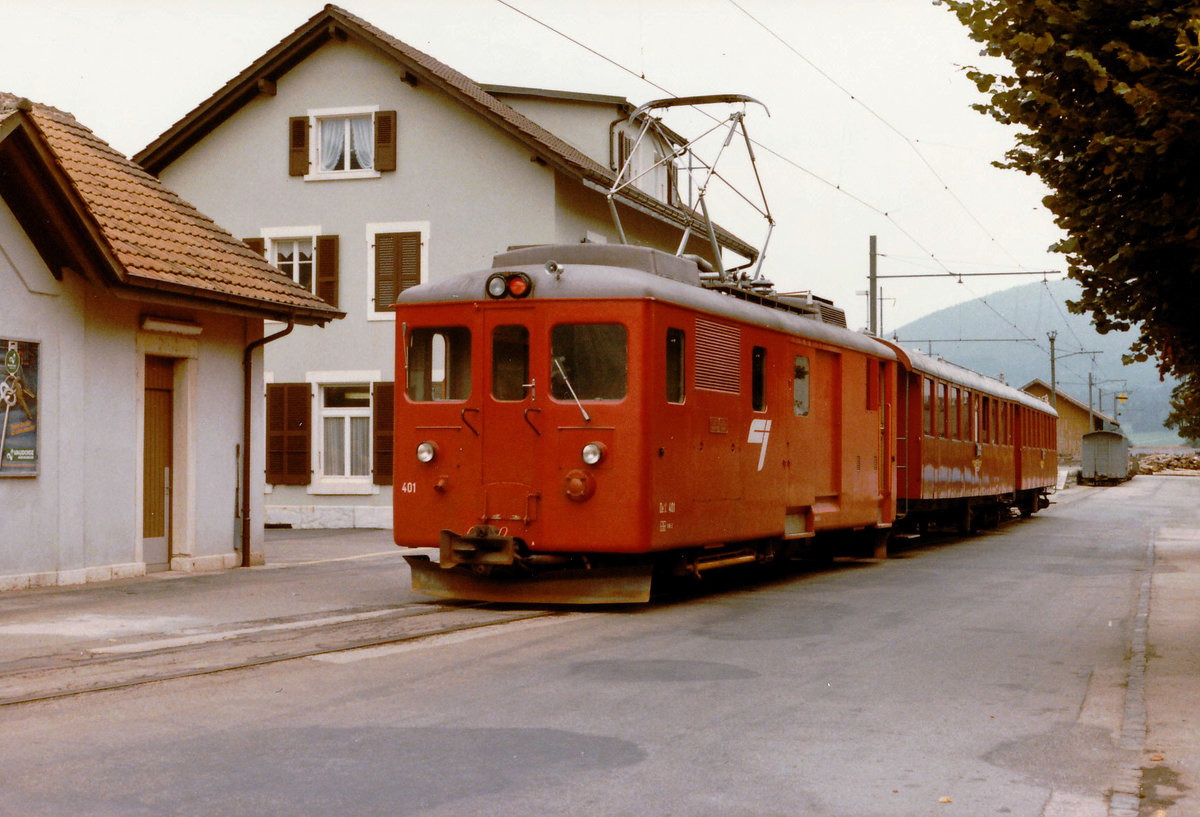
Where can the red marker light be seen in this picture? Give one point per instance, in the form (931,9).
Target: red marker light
(519,285)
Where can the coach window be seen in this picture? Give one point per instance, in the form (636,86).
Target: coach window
(758,379)
(941,410)
(800,387)
(588,361)
(985,412)
(927,386)
(675,366)
(510,362)
(955,430)
(439,364)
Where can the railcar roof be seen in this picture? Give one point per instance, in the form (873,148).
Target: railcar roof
(952,372)
(623,272)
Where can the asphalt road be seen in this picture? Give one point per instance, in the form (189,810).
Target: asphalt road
(973,676)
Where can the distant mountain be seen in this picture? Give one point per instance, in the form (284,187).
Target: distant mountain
(971,334)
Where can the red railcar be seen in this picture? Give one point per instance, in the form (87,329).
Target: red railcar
(578,416)
(969,446)
(591,411)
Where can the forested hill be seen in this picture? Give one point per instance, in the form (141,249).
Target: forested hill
(982,335)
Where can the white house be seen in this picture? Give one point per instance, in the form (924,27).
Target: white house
(361,166)
(131,329)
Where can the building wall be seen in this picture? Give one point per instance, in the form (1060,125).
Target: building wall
(1073,422)
(471,189)
(79,519)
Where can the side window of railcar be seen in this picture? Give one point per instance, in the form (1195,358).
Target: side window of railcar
(758,379)
(800,387)
(874,384)
(589,360)
(510,362)
(439,364)
(675,366)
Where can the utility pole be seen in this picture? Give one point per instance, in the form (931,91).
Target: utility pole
(1053,335)
(1091,419)
(873,282)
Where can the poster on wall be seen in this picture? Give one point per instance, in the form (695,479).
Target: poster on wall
(18,408)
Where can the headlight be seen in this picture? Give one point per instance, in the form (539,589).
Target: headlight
(593,453)
(497,286)
(426,452)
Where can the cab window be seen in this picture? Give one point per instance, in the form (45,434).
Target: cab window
(510,362)
(800,387)
(439,363)
(588,361)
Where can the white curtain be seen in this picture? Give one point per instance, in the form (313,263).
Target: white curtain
(360,446)
(333,143)
(363,139)
(335,447)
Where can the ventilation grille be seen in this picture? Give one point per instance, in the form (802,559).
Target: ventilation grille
(717,347)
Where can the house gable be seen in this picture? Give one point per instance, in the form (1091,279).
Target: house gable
(415,69)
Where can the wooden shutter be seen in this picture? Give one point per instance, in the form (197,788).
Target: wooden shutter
(385,141)
(383,416)
(259,245)
(397,266)
(327,269)
(626,150)
(298,146)
(289,433)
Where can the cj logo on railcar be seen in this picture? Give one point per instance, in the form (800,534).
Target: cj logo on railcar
(760,432)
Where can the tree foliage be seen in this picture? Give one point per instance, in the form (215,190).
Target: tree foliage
(1105,96)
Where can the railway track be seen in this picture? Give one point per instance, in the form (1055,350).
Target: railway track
(138,661)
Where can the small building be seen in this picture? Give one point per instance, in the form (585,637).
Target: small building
(361,166)
(1074,420)
(131,330)
(1106,458)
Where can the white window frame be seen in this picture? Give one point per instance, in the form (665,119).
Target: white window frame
(315,174)
(374,229)
(322,485)
(270,235)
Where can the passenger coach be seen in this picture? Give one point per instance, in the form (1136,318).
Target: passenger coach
(969,446)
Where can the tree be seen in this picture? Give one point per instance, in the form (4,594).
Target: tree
(1106,97)
(1185,410)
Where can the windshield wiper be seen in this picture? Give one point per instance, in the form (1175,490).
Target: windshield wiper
(571,389)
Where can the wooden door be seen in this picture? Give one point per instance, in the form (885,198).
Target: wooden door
(156,463)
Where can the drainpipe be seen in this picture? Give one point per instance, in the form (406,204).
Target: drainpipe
(247,385)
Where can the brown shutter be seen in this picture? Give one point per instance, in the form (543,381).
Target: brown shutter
(672,183)
(410,260)
(385,141)
(383,416)
(259,245)
(397,266)
(327,269)
(385,270)
(298,146)
(289,432)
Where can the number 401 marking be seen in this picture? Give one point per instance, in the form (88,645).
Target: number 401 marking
(408,487)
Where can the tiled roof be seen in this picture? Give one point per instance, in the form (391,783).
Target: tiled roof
(318,29)
(159,240)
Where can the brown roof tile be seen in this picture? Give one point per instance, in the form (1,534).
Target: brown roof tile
(158,239)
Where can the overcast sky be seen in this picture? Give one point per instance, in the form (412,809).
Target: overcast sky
(869,108)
